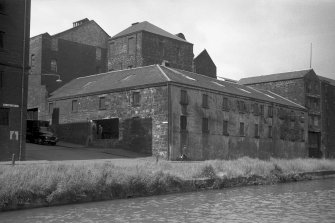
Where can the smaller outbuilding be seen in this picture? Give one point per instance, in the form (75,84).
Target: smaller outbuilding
(167,112)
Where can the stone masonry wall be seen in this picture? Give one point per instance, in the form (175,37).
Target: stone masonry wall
(289,133)
(153,104)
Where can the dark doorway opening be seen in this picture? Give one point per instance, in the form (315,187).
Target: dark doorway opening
(107,128)
(314,145)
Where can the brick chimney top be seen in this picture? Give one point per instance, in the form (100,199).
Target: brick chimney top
(165,63)
(80,22)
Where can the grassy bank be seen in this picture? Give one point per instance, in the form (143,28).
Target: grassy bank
(33,185)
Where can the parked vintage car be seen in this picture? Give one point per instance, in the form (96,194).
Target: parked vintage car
(39,132)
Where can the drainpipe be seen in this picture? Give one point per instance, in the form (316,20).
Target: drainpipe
(23,76)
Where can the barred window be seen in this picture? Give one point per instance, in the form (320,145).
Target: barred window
(241,106)
(262,110)
(53,65)
(255,109)
(270,111)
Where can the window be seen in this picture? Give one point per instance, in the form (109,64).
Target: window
(54,44)
(51,107)
(241,129)
(302,135)
(205,101)
(98,53)
(241,106)
(255,109)
(205,128)
(4,116)
(302,117)
(292,116)
(131,46)
(102,103)
(74,106)
(183,97)
(262,110)
(54,65)
(281,113)
(112,49)
(256,131)
(183,123)
(225,128)
(270,111)
(270,131)
(136,98)
(225,105)
(316,121)
(32,60)
(130,66)
(2,40)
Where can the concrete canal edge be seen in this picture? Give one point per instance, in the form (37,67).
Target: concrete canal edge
(182,186)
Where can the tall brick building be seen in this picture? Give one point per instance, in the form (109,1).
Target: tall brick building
(14,50)
(79,51)
(203,64)
(167,112)
(144,44)
(305,88)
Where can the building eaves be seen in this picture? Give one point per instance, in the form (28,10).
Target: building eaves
(326,79)
(275,77)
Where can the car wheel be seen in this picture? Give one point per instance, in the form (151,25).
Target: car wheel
(53,143)
(39,141)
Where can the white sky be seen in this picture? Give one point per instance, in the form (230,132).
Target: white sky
(243,37)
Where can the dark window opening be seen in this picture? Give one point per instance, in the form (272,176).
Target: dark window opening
(2,40)
(51,107)
(4,116)
(136,98)
(302,117)
(255,109)
(225,104)
(241,106)
(270,111)
(256,131)
(270,131)
(74,106)
(183,97)
(205,101)
(130,66)
(183,123)
(225,128)
(1,79)
(205,128)
(241,129)
(102,103)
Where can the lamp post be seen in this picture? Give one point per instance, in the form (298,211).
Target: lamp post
(57,75)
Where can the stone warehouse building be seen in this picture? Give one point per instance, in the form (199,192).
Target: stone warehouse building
(57,59)
(167,112)
(144,44)
(14,49)
(305,88)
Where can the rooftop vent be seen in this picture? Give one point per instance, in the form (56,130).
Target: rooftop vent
(135,23)
(80,22)
(165,63)
(181,35)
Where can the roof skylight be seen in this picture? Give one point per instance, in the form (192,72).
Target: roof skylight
(245,90)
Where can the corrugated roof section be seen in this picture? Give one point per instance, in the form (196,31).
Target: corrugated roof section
(147,26)
(157,74)
(274,77)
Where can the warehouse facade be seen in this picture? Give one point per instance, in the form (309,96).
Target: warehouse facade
(167,112)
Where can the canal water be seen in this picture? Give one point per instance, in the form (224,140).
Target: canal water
(308,201)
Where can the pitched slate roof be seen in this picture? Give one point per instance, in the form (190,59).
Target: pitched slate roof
(154,75)
(147,26)
(326,79)
(275,77)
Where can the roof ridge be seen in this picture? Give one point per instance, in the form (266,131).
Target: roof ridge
(164,74)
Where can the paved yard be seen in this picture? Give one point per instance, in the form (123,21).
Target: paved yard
(64,151)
